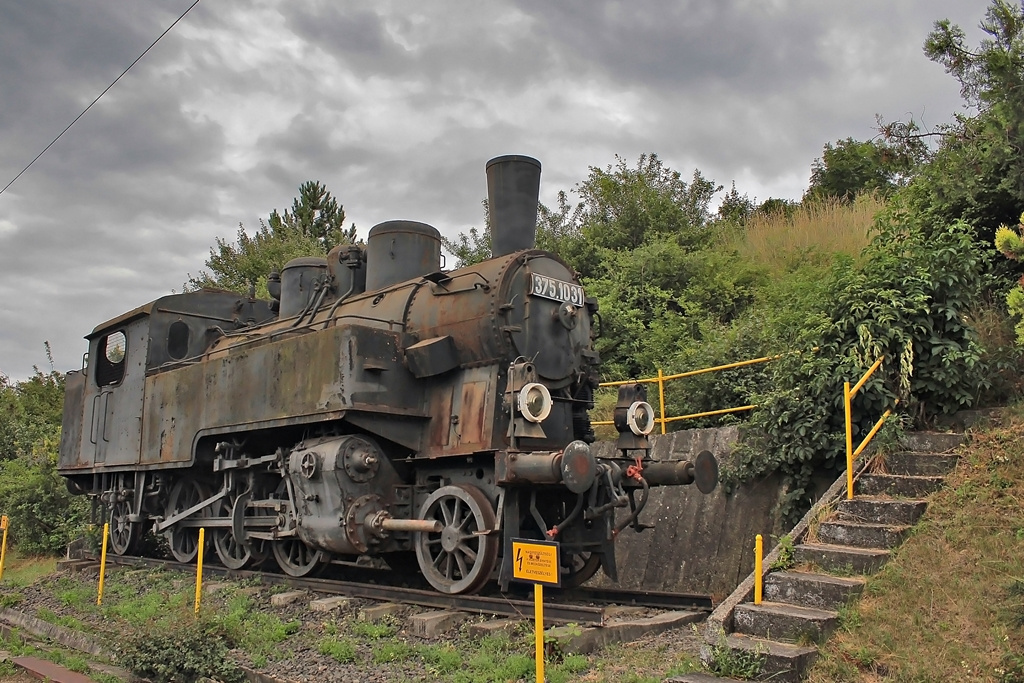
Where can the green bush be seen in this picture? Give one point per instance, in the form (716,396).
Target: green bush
(43,515)
(908,302)
(182,652)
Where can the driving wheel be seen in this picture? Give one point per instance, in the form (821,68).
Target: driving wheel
(462,556)
(184,540)
(232,553)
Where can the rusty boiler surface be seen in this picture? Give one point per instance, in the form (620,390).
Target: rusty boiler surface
(294,380)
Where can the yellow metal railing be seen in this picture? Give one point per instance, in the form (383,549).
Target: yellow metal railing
(662,378)
(852,454)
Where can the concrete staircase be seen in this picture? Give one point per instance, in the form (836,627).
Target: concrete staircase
(836,544)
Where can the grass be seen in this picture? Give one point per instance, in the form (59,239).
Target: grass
(16,646)
(161,602)
(950,604)
(341,650)
(372,630)
(827,227)
(24,571)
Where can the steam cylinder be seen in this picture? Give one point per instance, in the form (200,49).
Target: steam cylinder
(397,251)
(513,189)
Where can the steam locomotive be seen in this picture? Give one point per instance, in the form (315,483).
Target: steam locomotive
(376,405)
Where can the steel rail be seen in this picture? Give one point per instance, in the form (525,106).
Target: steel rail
(558,610)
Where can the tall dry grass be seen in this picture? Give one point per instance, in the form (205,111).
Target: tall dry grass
(824,227)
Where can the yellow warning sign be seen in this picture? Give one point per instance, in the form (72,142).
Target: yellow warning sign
(3,522)
(536,562)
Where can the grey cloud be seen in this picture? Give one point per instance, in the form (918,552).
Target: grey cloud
(396,107)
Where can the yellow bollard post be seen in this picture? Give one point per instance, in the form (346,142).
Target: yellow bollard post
(199,568)
(758,568)
(661,397)
(103,562)
(4,523)
(538,617)
(849,441)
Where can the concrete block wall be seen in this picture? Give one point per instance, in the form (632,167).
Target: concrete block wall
(700,543)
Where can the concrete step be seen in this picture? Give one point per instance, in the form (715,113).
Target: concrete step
(921,464)
(881,510)
(896,485)
(842,559)
(862,535)
(811,590)
(781,661)
(784,622)
(435,622)
(700,678)
(931,442)
(574,640)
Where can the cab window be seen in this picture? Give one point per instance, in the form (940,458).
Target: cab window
(177,340)
(110,365)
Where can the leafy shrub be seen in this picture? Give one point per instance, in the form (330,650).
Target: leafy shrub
(182,652)
(43,515)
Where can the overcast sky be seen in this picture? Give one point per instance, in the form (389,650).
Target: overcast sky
(396,106)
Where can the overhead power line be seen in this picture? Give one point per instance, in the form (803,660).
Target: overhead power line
(36,158)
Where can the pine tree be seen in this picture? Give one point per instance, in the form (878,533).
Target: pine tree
(314,226)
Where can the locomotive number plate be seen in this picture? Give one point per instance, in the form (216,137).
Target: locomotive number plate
(557,290)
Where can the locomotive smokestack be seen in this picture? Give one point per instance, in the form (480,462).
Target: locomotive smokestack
(513,189)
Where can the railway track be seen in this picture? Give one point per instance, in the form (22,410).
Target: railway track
(590,607)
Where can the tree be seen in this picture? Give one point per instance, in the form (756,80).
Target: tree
(312,228)
(469,249)
(736,208)
(620,208)
(977,172)
(851,167)
(623,206)
(775,205)
(30,411)
(315,213)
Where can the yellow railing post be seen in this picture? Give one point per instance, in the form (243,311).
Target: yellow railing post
(758,568)
(848,395)
(849,441)
(661,397)
(103,562)
(199,568)
(4,523)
